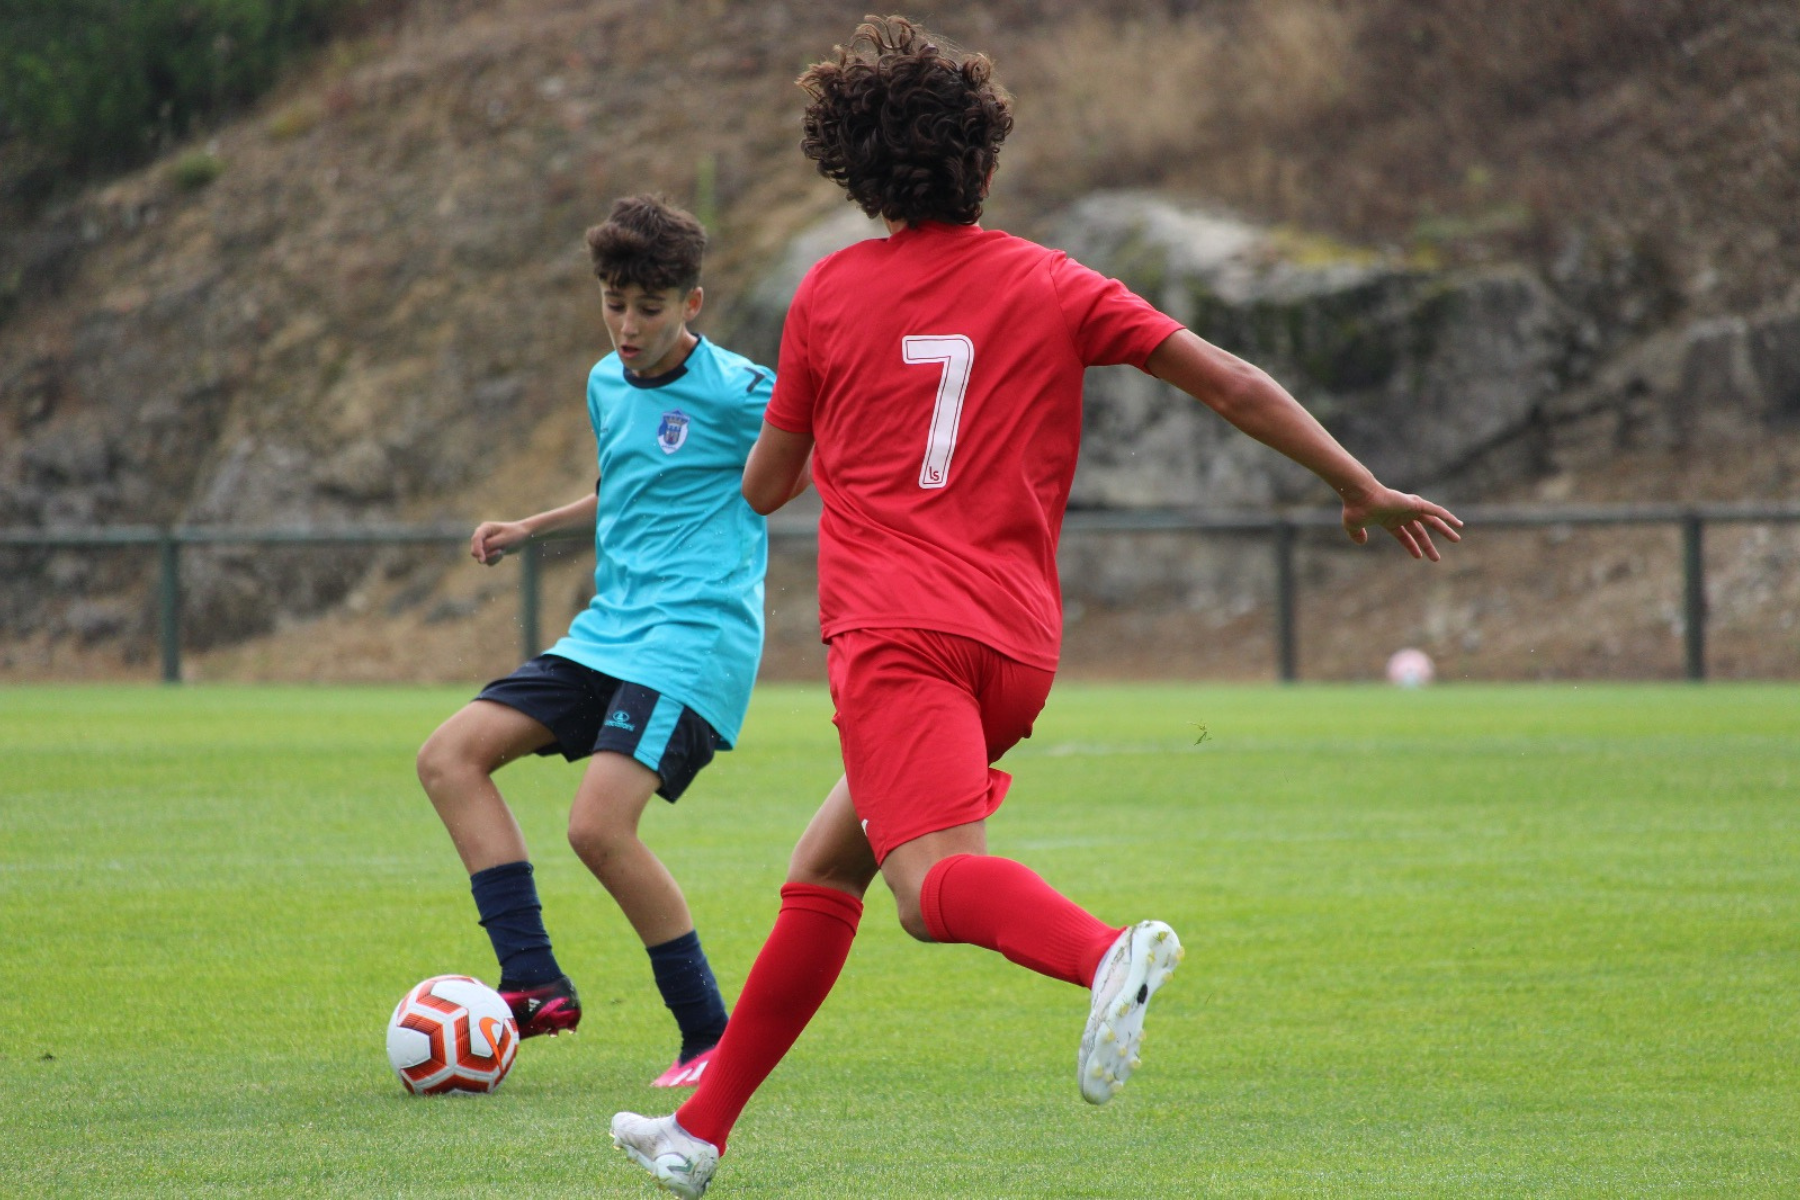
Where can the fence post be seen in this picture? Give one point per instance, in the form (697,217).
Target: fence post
(1286,660)
(168,603)
(1693,556)
(529,563)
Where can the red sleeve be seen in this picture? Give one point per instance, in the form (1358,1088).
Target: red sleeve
(796,387)
(1108,322)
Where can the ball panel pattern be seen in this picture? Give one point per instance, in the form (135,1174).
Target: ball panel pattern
(452,1033)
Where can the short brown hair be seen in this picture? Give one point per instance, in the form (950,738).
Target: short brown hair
(648,241)
(908,126)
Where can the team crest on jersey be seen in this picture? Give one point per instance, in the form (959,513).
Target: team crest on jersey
(673,431)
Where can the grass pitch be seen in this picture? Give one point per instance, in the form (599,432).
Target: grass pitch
(1520,941)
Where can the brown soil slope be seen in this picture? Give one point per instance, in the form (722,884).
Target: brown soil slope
(379,310)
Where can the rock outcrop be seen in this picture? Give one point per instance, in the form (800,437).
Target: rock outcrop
(1417,372)
(1424,374)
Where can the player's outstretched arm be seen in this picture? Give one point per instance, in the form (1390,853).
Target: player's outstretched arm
(1251,400)
(494,540)
(776,471)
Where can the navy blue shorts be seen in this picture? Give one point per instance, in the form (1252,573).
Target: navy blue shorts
(589,711)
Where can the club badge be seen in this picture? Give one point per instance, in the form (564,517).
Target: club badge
(673,431)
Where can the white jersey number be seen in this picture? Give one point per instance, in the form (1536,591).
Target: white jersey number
(956,355)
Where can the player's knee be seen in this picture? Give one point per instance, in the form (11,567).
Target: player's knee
(802,870)
(447,766)
(595,839)
(809,865)
(436,762)
(912,918)
(585,838)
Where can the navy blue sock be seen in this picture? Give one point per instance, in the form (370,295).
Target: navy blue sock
(686,982)
(507,899)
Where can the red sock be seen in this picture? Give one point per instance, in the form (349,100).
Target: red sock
(1003,905)
(791,977)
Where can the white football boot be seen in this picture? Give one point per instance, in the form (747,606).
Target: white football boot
(681,1162)
(1138,963)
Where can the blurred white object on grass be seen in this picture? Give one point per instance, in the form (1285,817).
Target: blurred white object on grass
(1410,668)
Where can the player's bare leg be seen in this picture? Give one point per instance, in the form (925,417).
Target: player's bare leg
(834,852)
(456,765)
(603,829)
(907,866)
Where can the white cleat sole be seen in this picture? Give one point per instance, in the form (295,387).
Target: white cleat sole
(1115,1027)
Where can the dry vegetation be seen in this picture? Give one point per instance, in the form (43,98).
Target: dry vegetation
(405,215)
(1662,129)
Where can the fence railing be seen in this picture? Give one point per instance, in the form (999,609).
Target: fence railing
(1281,530)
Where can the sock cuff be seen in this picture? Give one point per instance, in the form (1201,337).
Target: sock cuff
(501,874)
(931,902)
(502,890)
(828,902)
(685,946)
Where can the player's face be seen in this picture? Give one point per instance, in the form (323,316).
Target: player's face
(649,329)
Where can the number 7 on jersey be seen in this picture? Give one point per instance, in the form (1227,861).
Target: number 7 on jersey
(956,355)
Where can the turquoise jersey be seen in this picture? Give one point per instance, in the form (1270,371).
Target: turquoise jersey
(679,554)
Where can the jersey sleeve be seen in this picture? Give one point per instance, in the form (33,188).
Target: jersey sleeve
(759,385)
(1108,322)
(596,415)
(796,385)
(596,409)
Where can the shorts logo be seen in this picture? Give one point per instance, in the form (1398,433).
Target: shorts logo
(621,720)
(673,431)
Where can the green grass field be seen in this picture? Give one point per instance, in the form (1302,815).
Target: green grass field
(1510,941)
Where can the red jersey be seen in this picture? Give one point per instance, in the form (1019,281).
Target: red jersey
(939,372)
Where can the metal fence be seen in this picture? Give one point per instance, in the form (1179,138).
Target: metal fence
(1281,531)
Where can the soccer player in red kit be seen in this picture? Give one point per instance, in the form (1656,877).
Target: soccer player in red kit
(934,380)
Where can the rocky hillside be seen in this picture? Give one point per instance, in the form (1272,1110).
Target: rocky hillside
(378,310)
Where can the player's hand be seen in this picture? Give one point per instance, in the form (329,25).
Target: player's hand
(494,540)
(1409,518)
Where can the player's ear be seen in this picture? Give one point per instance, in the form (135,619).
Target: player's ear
(690,307)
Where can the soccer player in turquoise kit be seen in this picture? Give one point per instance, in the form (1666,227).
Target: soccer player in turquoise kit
(655,674)
(934,379)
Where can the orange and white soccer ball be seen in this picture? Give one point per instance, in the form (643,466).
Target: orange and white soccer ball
(452,1033)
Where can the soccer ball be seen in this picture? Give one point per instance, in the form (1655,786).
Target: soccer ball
(452,1033)
(1410,668)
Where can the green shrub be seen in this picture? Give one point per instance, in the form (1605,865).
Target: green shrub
(195,169)
(104,84)
(296,120)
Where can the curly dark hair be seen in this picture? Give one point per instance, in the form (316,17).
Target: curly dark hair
(648,241)
(908,125)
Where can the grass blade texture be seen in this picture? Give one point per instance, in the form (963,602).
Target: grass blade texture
(1461,941)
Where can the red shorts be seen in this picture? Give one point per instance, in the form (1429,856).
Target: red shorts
(920,716)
